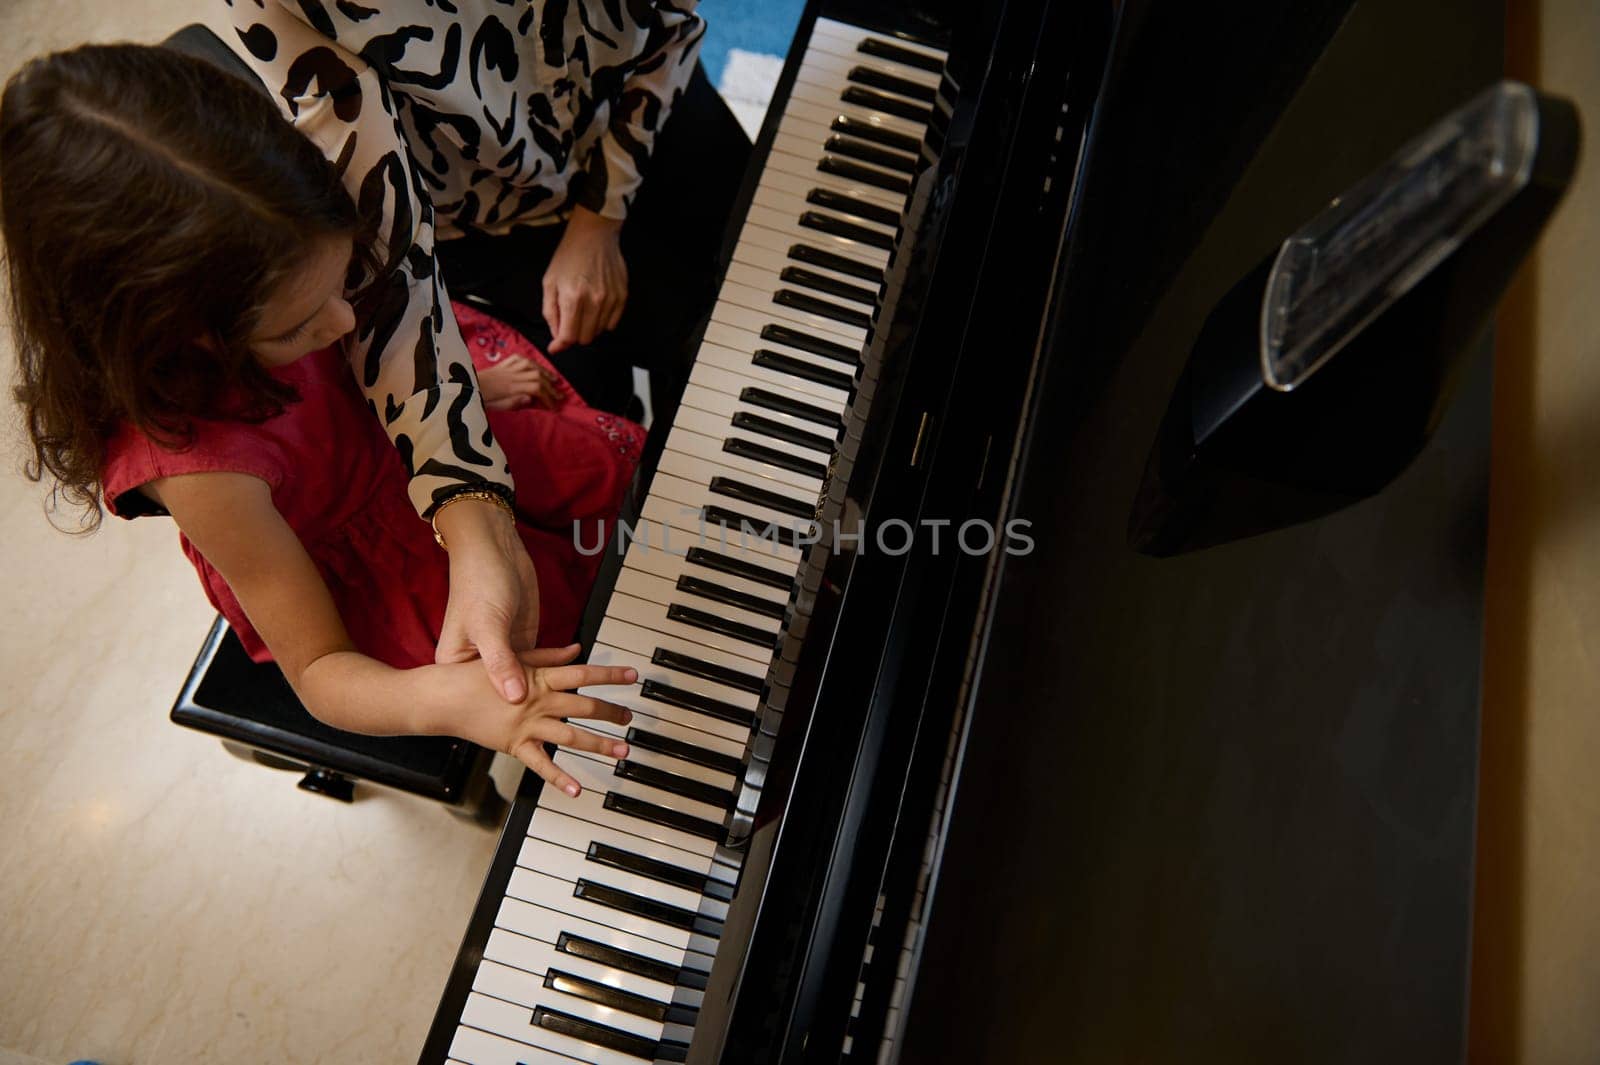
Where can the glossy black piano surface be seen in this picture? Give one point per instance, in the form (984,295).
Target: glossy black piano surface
(1213,807)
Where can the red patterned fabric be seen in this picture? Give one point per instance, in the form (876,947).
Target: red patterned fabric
(341,486)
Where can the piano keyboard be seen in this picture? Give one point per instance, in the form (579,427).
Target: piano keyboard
(602,942)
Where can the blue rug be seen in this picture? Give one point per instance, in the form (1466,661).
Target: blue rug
(754,25)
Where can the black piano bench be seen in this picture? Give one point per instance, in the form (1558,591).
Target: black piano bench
(259,718)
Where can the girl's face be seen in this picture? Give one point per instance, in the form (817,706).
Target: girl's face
(307,311)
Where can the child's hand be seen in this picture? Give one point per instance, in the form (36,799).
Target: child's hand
(515,383)
(481,714)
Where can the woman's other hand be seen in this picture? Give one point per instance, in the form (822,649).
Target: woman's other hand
(493,610)
(467,708)
(586,283)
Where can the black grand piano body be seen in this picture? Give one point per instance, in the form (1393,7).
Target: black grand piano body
(1216,807)
(1212,807)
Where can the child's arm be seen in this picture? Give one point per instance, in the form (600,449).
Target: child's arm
(231,519)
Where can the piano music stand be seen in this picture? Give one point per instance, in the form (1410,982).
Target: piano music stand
(251,707)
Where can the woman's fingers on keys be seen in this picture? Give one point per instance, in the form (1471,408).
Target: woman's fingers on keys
(530,752)
(568,678)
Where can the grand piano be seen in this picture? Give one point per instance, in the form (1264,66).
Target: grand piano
(984,782)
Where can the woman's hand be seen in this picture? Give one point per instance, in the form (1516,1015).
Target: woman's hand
(465,706)
(493,610)
(586,283)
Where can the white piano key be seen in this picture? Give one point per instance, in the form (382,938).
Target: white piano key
(831,97)
(669,569)
(570,865)
(615,632)
(801,485)
(826,63)
(590,803)
(665,727)
(671,549)
(537,957)
(822,114)
(653,616)
(788,203)
(782,238)
(474,1046)
(545,924)
(772,262)
(662,592)
(795,233)
(740,329)
(684,529)
(730,360)
(844,35)
(725,406)
(568,831)
(760,300)
(514,1022)
(524,989)
(665,763)
(682,493)
(798,184)
(555,894)
(597,776)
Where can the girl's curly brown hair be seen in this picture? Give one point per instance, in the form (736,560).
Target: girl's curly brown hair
(149,203)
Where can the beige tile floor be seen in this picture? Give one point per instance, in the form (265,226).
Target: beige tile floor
(161,901)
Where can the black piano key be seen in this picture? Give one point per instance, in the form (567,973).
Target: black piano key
(701,619)
(605,995)
(755,423)
(679,1014)
(738,567)
(771,360)
(646,740)
(661,816)
(716,889)
(700,704)
(693,979)
(672,1050)
(758,397)
(851,205)
(879,79)
(864,175)
(654,868)
(648,909)
(598,1034)
(688,787)
(871,153)
(799,301)
(882,49)
(614,958)
(806,253)
(803,341)
(868,131)
(745,524)
(799,275)
(889,105)
(695,667)
(748,493)
(838,227)
(781,459)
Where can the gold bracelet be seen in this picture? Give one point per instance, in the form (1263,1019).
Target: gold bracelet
(472,493)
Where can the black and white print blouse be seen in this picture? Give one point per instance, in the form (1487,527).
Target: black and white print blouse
(445,115)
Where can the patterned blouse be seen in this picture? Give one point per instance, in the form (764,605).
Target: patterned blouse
(449,114)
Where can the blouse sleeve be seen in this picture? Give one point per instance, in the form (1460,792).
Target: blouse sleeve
(407,353)
(615,167)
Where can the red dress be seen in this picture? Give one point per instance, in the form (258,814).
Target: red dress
(341,486)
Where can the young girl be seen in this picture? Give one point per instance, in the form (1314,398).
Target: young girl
(184,267)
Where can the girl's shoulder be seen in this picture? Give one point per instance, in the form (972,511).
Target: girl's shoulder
(134,458)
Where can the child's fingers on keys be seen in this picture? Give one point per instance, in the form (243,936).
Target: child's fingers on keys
(530,752)
(567,678)
(582,739)
(545,657)
(586,706)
